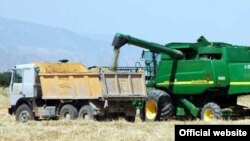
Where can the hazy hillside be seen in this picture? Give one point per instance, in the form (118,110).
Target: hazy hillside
(24,42)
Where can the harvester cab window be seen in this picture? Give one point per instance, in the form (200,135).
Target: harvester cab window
(146,55)
(210,56)
(18,76)
(149,56)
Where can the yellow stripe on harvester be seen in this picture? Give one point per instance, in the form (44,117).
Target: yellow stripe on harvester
(198,82)
(239,83)
(193,82)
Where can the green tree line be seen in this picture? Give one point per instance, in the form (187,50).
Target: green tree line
(5,79)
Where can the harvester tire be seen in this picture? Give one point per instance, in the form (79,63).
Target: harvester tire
(68,112)
(211,111)
(86,113)
(159,106)
(24,113)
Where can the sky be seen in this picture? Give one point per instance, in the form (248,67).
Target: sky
(160,21)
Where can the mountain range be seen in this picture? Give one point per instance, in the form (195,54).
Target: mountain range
(24,42)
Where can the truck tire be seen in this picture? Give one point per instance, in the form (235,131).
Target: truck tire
(130,118)
(86,113)
(159,106)
(142,114)
(24,113)
(211,111)
(68,112)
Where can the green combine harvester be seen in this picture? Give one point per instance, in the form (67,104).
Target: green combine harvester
(197,80)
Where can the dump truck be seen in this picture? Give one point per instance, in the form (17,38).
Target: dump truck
(193,80)
(65,90)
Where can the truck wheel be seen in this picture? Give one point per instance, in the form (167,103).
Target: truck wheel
(130,118)
(86,113)
(159,106)
(142,113)
(24,113)
(68,112)
(211,111)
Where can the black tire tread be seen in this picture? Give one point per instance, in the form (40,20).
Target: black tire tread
(130,118)
(72,109)
(88,110)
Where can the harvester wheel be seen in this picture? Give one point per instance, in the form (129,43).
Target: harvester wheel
(68,112)
(24,113)
(159,106)
(211,111)
(86,113)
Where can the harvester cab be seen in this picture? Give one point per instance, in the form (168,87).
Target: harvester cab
(151,61)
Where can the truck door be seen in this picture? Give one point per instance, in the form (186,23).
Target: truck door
(16,88)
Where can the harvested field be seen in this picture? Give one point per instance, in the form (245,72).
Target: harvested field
(119,130)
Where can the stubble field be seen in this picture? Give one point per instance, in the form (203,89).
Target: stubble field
(77,130)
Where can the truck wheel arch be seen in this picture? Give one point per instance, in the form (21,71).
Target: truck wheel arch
(23,101)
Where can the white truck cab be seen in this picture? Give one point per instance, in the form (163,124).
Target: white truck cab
(22,86)
(22,82)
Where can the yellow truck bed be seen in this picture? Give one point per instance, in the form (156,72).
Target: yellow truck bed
(91,85)
(60,82)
